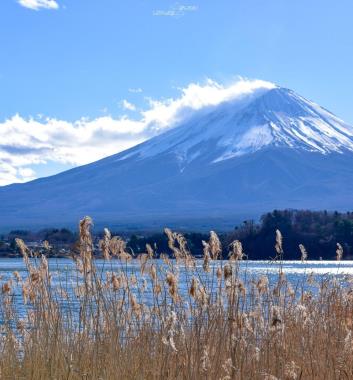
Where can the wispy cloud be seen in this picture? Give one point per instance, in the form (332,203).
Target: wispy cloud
(39,4)
(137,90)
(25,142)
(178,10)
(128,106)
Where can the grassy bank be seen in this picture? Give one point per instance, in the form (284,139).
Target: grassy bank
(123,324)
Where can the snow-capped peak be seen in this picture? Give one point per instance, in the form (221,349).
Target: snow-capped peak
(283,118)
(253,120)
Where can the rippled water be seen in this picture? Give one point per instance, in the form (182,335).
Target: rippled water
(296,271)
(64,275)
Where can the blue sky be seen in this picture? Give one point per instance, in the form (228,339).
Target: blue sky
(69,61)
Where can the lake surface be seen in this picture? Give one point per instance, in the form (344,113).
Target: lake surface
(63,270)
(64,276)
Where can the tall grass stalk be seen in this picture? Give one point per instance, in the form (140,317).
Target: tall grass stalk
(132,319)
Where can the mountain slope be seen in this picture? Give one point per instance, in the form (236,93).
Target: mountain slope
(277,117)
(270,149)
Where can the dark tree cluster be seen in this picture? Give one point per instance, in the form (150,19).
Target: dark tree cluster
(52,235)
(318,231)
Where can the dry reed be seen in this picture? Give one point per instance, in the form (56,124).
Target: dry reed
(121,321)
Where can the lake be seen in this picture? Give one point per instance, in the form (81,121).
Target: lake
(63,270)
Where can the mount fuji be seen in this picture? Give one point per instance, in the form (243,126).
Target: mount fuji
(269,148)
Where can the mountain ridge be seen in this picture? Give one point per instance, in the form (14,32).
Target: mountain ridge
(272,149)
(334,132)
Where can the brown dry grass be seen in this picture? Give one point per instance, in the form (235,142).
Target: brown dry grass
(108,323)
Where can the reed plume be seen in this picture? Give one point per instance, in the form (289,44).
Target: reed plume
(339,252)
(304,254)
(131,317)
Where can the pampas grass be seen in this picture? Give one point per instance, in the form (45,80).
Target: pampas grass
(122,321)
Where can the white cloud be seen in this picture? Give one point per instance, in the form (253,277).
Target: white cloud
(178,10)
(9,174)
(137,90)
(170,112)
(38,4)
(128,106)
(26,142)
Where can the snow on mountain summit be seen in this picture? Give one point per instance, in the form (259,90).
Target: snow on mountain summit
(264,117)
(233,154)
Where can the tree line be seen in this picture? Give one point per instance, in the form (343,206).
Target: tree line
(318,231)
